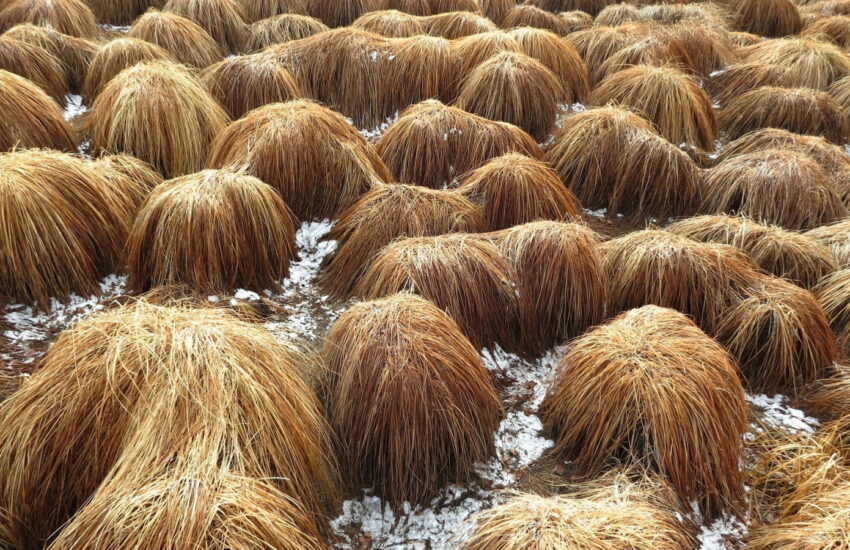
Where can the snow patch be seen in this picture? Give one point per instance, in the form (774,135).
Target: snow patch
(779,414)
(74,106)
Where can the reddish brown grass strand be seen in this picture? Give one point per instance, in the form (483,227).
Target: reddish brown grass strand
(576,20)
(244,83)
(613,15)
(496,10)
(527,15)
(833,294)
(744,77)
(836,29)
(386,213)
(75,54)
(837,237)
(31,117)
(35,64)
(514,88)
(558,56)
(159,113)
(716,15)
(656,50)
(773,186)
(214,232)
(256,10)
(840,91)
(410,400)
(801,259)
(115,56)
(457,24)
(779,335)
(427,7)
(181,37)
(596,44)
(514,189)
(772,18)
(281,28)
(64,225)
(478,48)
(743,39)
(811,63)
(701,280)
(390,23)
(130,176)
(707,48)
(422,68)
(431,144)
(561,280)
(71,17)
(464,275)
(826,8)
(224,20)
(121,12)
(593,7)
(316,160)
(612,158)
(672,100)
(830,398)
(339,13)
(606,404)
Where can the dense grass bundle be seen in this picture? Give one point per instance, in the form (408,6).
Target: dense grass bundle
(244,83)
(128,173)
(431,144)
(836,29)
(213,232)
(386,213)
(317,161)
(833,294)
(592,7)
(744,77)
(223,20)
(613,15)
(576,20)
(772,18)
(514,189)
(121,12)
(464,275)
(457,24)
(713,13)
(257,10)
(596,44)
(71,17)
(837,237)
(74,54)
(799,258)
(774,186)
(558,56)
(159,113)
(390,23)
(655,50)
(797,110)
(478,48)
(811,63)
(561,280)
(35,64)
(528,15)
(281,28)
(830,398)
(514,88)
(115,56)
(645,513)
(656,267)
(824,8)
(427,7)
(611,158)
(496,10)
(423,67)
(707,48)
(338,13)
(743,39)
(409,398)
(779,335)
(144,390)
(181,37)
(672,100)
(688,427)
(31,118)
(64,225)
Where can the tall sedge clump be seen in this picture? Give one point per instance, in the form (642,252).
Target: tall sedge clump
(181,37)
(74,54)
(71,17)
(115,56)
(223,20)
(32,118)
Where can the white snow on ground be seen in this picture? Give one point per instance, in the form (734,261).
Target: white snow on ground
(375,133)
(724,533)
(74,106)
(779,414)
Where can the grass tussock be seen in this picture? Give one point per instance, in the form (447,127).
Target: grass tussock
(74,54)
(457,24)
(115,56)
(128,173)
(560,278)
(32,119)
(774,186)
(592,7)
(836,29)
(614,15)
(833,294)
(257,10)
(744,77)
(771,18)
(811,63)
(426,69)
(840,91)
(158,112)
(71,17)
(36,65)
(187,41)
(496,10)
(528,15)
(390,23)
(409,398)
(388,212)
(830,397)
(824,8)
(612,158)
(514,189)
(214,232)
(837,237)
(223,20)
(339,13)
(464,275)
(121,12)
(558,55)
(317,161)
(244,83)
(707,48)
(427,7)
(281,28)
(576,20)
(654,50)
(431,144)
(701,280)
(478,48)
(688,429)
(672,100)
(596,44)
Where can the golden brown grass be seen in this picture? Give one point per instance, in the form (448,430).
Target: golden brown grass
(596,44)
(121,12)
(576,20)
(388,212)
(655,50)
(147,391)
(464,275)
(223,20)
(496,10)
(744,77)
(244,83)
(743,39)
(558,55)
(612,158)
(715,14)
(74,54)
(560,278)
(797,110)
(835,28)
(31,117)
(257,10)
(426,7)
(159,113)
(390,23)
(409,398)
(478,48)
(431,144)
(115,56)
(181,37)
(71,17)
(64,225)
(592,7)
(614,15)
(281,28)
(423,67)
(801,259)
(840,91)
(125,172)
(772,18)
(833,294)
(688,428)
(457,24)
(35,64)
(317,161)
(837,237)
(825,8)
(708,47)
(528,15)
(811,63)
(339,13)
(213,231)
(672,100)
(514,189)
(830,397)
(701,280)
(775,186)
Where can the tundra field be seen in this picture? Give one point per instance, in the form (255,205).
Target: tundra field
(424,275)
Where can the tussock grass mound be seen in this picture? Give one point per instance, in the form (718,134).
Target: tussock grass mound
(840,91)
(596,44)
(214,232)
(653,50)
(71,17)
(31,117)
(529,15)
(223,20)
(258,10)
(457,24)
(339,13)
(496,10)
(576,20)
(35,64)
(158,112)
(826,8)
(830,398)
(811,63)
(744,77)
(688,428)
(478,48)
(836,29)
(281,28)
(316,160)
(74,54)
(115,56)
(390,23)
(837,237)
(592,7)
(427,7)
(833,294)
(773,18)
(181,37)
(614,15)
(129,174)
(388,212)
(121,12)
(559,57)
(409,398)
